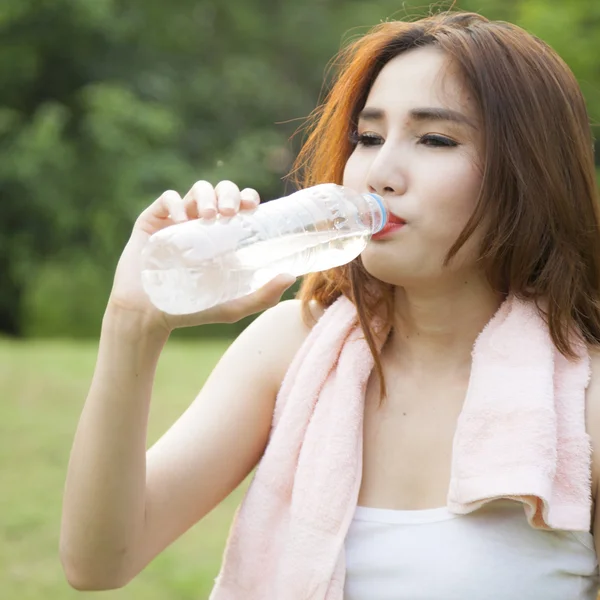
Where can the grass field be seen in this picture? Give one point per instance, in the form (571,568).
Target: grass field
(42,389)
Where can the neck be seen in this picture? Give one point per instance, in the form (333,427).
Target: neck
(435,328)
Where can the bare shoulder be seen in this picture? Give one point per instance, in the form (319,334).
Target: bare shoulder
(281,331)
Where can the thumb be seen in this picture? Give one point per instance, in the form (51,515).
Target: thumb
(285,280)
(271,292)
(265,297)
(262,299)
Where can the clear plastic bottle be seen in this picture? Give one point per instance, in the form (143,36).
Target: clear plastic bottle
(195,265)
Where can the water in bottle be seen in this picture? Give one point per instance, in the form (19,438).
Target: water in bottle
(195,265)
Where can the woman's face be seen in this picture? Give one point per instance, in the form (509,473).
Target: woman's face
(418,145)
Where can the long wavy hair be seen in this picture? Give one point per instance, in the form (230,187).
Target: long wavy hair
(539,193)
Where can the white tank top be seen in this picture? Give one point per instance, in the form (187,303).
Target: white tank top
(490,554)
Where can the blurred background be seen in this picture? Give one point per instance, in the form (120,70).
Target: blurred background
(104,104)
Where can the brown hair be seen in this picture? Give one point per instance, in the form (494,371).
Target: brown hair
(538,193)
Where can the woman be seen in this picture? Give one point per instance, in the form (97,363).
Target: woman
(476,135)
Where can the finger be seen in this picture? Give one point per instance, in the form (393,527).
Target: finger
(228,198)
(190,206)
(234,310)
(262,299)
(283,281)
(203,195)
(175,206)
(249,199)
(162,207)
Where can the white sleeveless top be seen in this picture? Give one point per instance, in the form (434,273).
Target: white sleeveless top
(490,554)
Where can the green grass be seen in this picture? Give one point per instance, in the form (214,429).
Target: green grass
(42,389)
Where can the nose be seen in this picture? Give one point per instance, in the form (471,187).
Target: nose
(386,176)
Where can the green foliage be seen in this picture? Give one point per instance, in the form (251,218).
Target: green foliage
(106,104)
(68,293)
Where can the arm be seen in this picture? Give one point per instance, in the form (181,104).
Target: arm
(122,505)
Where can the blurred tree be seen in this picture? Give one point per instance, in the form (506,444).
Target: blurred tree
(107,103)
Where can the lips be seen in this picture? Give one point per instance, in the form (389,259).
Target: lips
(393,223)
(395,219)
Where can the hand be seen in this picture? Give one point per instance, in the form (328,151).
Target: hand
(202,201)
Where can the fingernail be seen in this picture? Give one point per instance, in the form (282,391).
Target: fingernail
(179,216)
(250,196)
(227,203)
(208,212)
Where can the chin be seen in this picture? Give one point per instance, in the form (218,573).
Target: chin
(386,269)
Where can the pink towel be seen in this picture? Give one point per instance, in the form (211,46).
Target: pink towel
(520,435)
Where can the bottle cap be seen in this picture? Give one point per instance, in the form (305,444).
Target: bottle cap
(378,226)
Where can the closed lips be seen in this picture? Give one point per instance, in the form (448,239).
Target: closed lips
(394,219)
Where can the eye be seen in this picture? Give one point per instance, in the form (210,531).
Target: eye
(366,139)
(436,141)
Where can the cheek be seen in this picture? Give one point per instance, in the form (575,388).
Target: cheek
(355,172)
(446,201)
(451,198)
(448,216)
(445,220)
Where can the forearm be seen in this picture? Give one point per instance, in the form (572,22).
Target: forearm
(104,498)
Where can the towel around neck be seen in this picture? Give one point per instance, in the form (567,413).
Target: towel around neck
(520,435)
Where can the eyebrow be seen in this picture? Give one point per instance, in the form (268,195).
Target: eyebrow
(421,115)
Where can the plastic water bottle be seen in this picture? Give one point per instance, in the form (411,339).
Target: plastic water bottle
(195,265)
